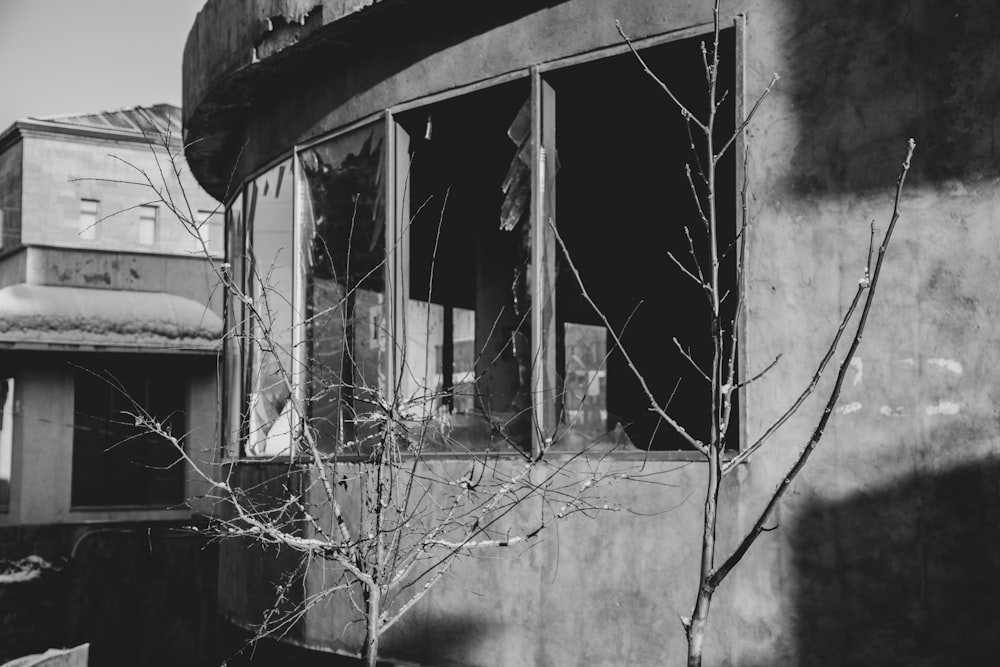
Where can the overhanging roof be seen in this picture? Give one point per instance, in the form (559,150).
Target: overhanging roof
(44,317)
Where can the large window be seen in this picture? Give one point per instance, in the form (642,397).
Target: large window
(424,270)
(115,462)
(623,202)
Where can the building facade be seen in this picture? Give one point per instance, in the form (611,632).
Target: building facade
(107,307)
(346,125)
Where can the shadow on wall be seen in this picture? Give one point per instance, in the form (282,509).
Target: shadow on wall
(867,75)
(907,575)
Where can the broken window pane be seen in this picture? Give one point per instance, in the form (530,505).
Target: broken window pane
(347,318)
(623,202)
(467,365)
(269,218)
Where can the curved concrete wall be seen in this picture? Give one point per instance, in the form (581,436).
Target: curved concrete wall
(886,549)
(242,110)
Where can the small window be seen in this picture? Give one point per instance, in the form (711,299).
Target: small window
(148,222)
(87,224)
(116,463)
(6,438)
(10,226)
(210,229)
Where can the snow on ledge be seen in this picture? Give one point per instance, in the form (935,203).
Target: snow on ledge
(45,316)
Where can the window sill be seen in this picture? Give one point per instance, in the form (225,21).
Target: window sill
(685,456)
(130,513)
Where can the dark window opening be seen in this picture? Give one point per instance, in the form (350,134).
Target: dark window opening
(467,367)
(115,462)
(623,201)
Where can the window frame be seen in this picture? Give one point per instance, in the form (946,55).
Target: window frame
(543,188)
(91,231)
(149,213)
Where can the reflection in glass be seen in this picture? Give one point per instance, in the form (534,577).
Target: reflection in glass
(347,328)
(269,218)
(467,364)
(233,343)
(585,392)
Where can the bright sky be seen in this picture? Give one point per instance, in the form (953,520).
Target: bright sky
(78,56)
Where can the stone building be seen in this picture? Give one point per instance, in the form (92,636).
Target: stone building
(108,307)
(532,113)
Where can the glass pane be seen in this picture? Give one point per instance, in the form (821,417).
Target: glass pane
(347,317)
(269,218)
(6,437)
(87,224)
(147,225)
(468,359)
(585,392)
(234,341)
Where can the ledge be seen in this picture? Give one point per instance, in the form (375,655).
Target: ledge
(43,317)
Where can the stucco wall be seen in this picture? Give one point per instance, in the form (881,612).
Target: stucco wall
(879,556)
(60,171)
(601,591)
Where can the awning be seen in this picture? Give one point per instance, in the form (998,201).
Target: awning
(44,317)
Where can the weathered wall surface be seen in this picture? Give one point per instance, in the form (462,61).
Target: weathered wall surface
(52,194)
(881,513)
(885,552)
(597,591)
(189,277)
(138,595)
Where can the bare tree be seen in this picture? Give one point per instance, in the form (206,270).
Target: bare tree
(389,519)
(727,387)
(393,521)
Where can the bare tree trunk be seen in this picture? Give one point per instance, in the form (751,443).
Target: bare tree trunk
(372,633)
(695,626)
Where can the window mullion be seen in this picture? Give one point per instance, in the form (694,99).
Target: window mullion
(297,373)
(543,321)
(397,204)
